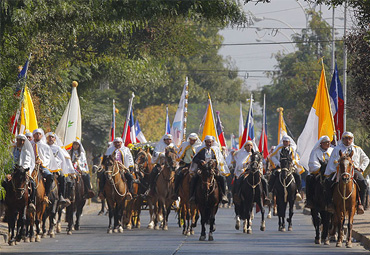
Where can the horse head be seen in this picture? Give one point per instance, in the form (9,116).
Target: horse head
(323,165)
(286,162)
(209,168)
(171,158)
(256,159)
(19,181)
(108,163)
(141,160)
(346,166)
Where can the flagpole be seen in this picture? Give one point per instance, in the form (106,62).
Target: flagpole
(345,70)
(167,120)
(263,123)
(213,117)
(249,115)
(128,117)
(186,107)
(113,132)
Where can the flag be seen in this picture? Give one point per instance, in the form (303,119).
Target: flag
(337,103)
(319,122)
(28,115)
(140,138)
(263,139)
(209,127)
(282,127)
(234,144)
(178,129)
(220,131)
(131,133)
(112,134)
(168,127)
(248,133)
(241,124)
(69,127)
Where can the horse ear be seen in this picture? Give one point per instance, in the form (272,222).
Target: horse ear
(147,150)
(351,154)
(340,153)
(252,151)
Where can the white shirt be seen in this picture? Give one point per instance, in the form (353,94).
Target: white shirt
(46,155)
(125,155)
(318,154)
(274,158)
(360,159)
(80,160)
(63,159)
(242,159)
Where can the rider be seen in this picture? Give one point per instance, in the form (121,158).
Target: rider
(79,161)
(243,159)
(64,163)
(319,157)
(360,162)
(209,150)
(185,156)
(45,158)
(23,156)
(28,135)
(286,144)
(123,155)
(158,155)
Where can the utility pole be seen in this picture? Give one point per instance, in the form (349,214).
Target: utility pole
(333,43)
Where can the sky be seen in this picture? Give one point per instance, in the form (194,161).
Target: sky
(277,21)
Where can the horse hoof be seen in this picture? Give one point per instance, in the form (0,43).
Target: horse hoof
(269,216)
(128,227)
(317,241)
(210,238)
(59,228)
(109,231)
(290,228)
(38,238)
(202,238)
(237,225)
(151,225)
(349,244)
(32,239)
(77,227)
(192,232)
(326,242)
(188,233)
(69,232)
(249,231)
(165,228)
(138,226)
(244,230)
(52,235)
(27,240)
(262,228)
(11,242)
(339,244)
(282,229)
(115,230)
(156,227)
(43,235)
(120,229)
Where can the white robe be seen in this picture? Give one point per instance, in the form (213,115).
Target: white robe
(187,146)
(46,156)
(317,155)
(27,157)
(360,159)
(274,158)
(126,156)
(80,161)
(160,149)
(63,159)
(242,159)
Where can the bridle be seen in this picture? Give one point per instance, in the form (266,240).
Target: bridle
(22,190)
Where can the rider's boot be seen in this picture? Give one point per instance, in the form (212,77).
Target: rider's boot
(152,179)
(88,191)
(329,196)
(48,184)
(298,181)
(130,179)
(178,179)
(272,181)
(266,200)
(309,191)
(222,184)
(101,186)
(193,185)
(363,186)
(64,202)
(32,198)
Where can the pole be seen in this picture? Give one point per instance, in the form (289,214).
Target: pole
(333,43)
(128,117)
(249,115)
(263,123)
(186,107)
(345,69)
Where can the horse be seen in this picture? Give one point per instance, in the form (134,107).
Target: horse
(115,190)
(132,208)
(285,190)
(207,197)
(16,200)
(252,192)
(51,210)
(162,201)
(319,215)
(344,197)
(78,201)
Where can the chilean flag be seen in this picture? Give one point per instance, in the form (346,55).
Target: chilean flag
(130,135)
(262,146)
(140,138)
(220,131)
(248,128)
(337,103)
(168,126)
(113,125)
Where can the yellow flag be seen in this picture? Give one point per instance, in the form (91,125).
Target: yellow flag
(282,129)
(209,127)
(28,115)
(322,107)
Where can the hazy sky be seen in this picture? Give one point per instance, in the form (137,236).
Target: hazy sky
(278,21)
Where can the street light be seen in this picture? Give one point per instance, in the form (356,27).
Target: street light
(258,19)
(259,29)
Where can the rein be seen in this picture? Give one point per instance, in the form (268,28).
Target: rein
(283,183)
(344,184)
(115,171)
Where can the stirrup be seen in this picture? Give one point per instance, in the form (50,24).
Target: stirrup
(31,207)
(360,209)
(224,199)
(298,197)
(128,196)
(46,200)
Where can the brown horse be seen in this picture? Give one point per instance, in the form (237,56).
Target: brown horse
(51,210)
(188,212)
(131,213)
(162,201)
(115,191)
(40,203)
(16,199)
(344,197)
(207,197)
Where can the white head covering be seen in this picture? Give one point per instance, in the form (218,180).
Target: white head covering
(28,133)
(118,139)
(292,143)
(167,136)
(209,137)
(347,134)
(21,136)
(255,147)
(27,156)
(324,138)
(81,147)
(39,130)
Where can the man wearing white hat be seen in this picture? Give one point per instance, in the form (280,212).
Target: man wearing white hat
(123,155)
(319,158)
(360,162)
(64,164)
(289,145)
(44,157)
(28,135)
(158,159)
(185,156)
(208,151)
(23,156)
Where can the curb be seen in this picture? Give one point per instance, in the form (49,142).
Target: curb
(365,241)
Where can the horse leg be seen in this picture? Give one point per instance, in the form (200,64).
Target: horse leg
(237,222)
(43,225)
(59,221)
(110,216)
(151,214)
(69,219)
(11,226)
(351,214)
(325,228)
(340,219)
(290,219)
(211,227)
(263,223)
(203,232)
(316,224)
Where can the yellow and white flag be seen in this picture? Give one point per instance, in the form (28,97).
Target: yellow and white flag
(282,128)
(28,115)
(69,127)
(209,127)
(319,122)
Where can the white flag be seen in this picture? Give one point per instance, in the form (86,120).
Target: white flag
(177,129)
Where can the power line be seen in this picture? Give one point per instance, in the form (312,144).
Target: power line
(275,43)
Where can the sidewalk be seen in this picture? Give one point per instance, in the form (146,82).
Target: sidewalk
(361,229)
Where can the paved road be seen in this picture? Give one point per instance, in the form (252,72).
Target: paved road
(92,239)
